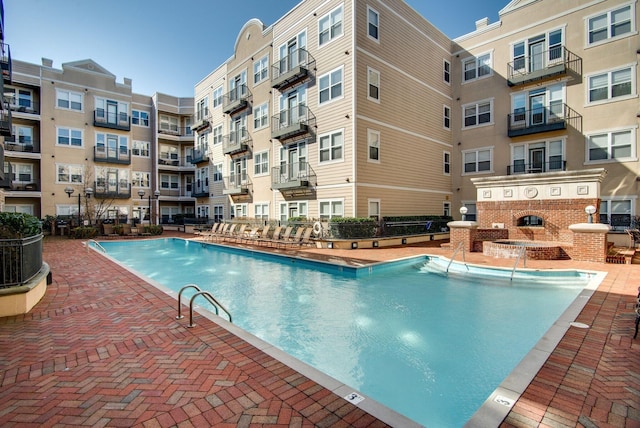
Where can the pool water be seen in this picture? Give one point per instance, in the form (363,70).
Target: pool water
(429,346)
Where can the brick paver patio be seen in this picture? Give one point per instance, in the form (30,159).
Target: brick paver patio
(103,348)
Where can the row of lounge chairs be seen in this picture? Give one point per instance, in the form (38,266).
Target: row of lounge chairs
(278,237)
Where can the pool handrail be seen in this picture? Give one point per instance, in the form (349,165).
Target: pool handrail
(207,296)
(97,244)
(523,250)
(460,245)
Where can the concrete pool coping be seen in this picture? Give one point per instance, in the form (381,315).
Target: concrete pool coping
(495,408)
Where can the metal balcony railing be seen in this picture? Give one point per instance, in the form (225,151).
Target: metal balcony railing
(237,184)
(236,99)
(199,155)
(236,142)
(111,120)
(536,167)
(7,176)
(546,64)
(111,155)
(5,120)
(21,144)
(292,69)
(172,190)
(200,188)
(178,161)
(121,189)
(201,119)
(292,176)
(177,131)
(292,122)
(542,119)
(5,62)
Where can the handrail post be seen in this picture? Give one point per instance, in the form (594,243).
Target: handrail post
(180,316)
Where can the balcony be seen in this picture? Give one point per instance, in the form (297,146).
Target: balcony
(292,123)
(5,120)
(111,120)
(5,178)
(236,99)
(21,144)
(175,133)
(120,156)
(543,119)
(5,62)
(519,167)
(236,142)
(200,120)
(555,62)
(292,69)
(292,176)
(172,162)
(108,190)
(170,192)
(199,155)
(200,189)
(236,185)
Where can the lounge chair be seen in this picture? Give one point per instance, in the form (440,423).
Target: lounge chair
(238,234)
(306,237)
(265,237)
(254,236)
(108,230)
(291,240)
(222,229)
(228,232)
(284,238)
(208,233)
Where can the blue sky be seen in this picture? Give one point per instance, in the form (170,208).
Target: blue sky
(168,46)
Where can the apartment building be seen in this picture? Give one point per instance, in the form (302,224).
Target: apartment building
(551,86)
(80,140)
(5,111)
(323,114)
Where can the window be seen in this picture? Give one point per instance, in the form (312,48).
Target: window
(373,24)
(331,147)
(217,172)
(19,99)
(609,85)
(217,135)
(202,211)
(69,137)
(69,100)
(22,173)
(529,221)
(69,173)
(23,135)
(446,210)
(446,117)
(261,69)
(217,96)
(261,163)
(169,182)
(140,179)
(202,144)
(330,26)
(613,145)
(446,163)
(617,212)
(110,143)
(331,208)
(261,116)
(374,208)
(374,85)
(140,148)
(476,67)
(477,160)
(537,52)
(111,112)
(292,209)
(112,181)
(373,144)
(612,24)
(169,155)
(261,211)
(330,86)
(536,157)
(446,71)
(218,213)
(202,109)
(478,113)
(140,118)
(471,214)
(168,123)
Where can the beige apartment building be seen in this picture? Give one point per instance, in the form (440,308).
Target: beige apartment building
(83,141)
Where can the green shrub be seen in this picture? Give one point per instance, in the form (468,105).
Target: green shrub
(352,227)
(84,232)
(18,225)
(153,229)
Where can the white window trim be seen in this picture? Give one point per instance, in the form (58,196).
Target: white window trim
(263,105)
(133,174)
(444,162)
(633,32)
(369,133)
(477,103)
(445,61)
(479,149)
(331,39)
(262,174)
(331,201)
(379,202)
(444,116)
(634,139)
(377,40)
(369,97)
(546,142)
(141,111)
(82,172)
(70,146)
(214,98)
(463,60)
(332,100)
(634,87)
(330,134)
(268,66)
(148,148)
(58,90)
(262,204)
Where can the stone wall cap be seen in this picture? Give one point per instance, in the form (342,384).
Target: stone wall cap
(463,224)
(590,228)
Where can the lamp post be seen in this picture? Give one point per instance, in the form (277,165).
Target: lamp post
(463,211)
(87,194)
(156,194)
(590,210)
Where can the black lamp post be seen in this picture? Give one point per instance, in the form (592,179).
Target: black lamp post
(87,194)
(155,196)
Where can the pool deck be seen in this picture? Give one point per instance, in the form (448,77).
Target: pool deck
(103,348)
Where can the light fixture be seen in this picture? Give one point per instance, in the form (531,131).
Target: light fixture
(87,194)
(354,245)
(590,210)
(329,244)
(376,244)
(404,241)
(463,211)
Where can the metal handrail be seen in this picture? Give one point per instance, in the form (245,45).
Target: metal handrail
(523,250)
(207,296)
(97,244)
(460,245)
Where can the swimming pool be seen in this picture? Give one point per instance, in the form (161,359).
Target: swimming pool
(427,346)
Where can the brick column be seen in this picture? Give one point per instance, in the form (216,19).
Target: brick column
(462,231)
(589,242)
